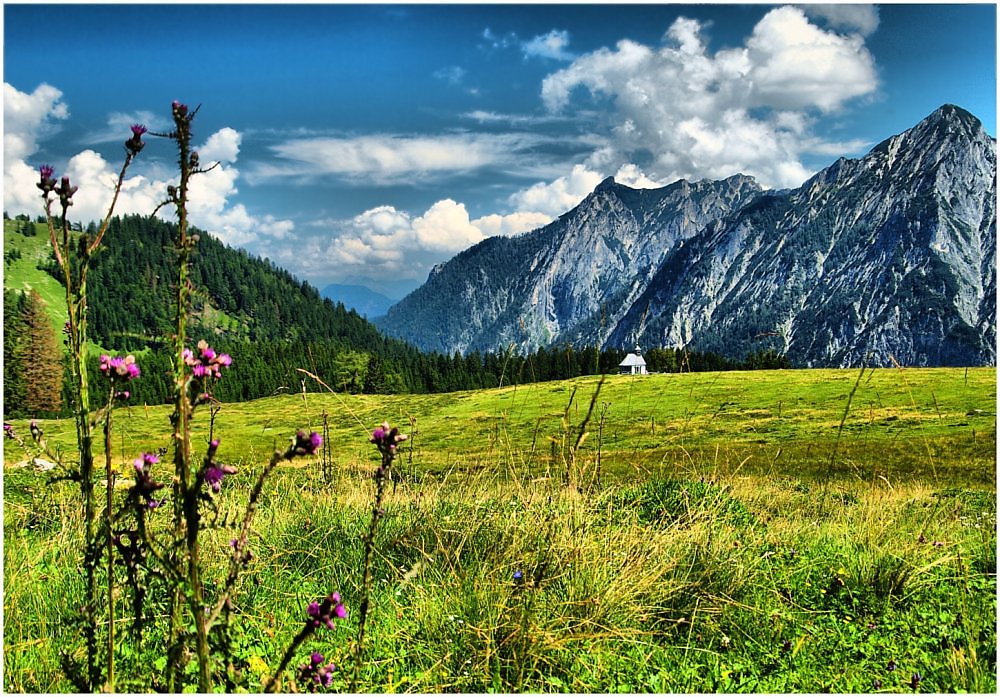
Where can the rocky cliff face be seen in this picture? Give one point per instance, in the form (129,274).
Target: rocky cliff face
(890,256)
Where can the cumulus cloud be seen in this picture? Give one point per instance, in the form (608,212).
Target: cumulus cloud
(862,19)
(28,116)
(556,197)
(696,114)
(552,45)
(27,119)
(384,242)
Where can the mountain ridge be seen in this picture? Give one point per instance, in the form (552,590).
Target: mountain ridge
(890,256)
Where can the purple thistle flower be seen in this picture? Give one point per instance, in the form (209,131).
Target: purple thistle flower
(208,363)
(46,182)
(306,444)
(65,191)
(386,438)
(135,144)
(316,672)
(214,472)
(323,613)
(144,483)
(8,430)
(119,367)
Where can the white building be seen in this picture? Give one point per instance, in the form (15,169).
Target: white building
(634,363)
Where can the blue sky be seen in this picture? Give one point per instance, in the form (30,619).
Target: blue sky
(365,143)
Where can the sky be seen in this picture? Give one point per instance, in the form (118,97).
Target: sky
(364,144)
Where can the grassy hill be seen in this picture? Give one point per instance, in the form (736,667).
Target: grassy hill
(21,271)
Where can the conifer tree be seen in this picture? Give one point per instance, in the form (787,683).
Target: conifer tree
(41,362)
(13,354)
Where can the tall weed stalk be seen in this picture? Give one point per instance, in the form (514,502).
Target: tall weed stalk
(125,535)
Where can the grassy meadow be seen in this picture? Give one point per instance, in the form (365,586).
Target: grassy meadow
(772,531)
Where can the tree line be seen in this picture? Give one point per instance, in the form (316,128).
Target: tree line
(273,326)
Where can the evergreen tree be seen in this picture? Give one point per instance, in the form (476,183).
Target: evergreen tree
(14,386)
(41,362)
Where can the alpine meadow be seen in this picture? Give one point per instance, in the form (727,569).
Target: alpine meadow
(731,430)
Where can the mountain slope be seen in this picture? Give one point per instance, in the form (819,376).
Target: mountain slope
(892,255)
(362,300)
(888,256)
(567,282)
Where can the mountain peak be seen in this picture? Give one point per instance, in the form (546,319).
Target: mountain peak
(606,185)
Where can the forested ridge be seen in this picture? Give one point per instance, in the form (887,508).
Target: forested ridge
(270,323)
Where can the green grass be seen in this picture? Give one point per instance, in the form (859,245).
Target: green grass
(932,424)
(22,274)
(725,549)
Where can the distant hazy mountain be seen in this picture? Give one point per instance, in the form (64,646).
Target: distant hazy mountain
(892,255)
(364,301)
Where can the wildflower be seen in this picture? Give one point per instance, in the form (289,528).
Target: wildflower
(306,444)
(119,367)
(207,363)
(386,438)
(214,471)
(46,181)
(786,646)
(316,672)
(144,483)
(876,684)
(518,576)
(179,110)
(890,666)
(8,430)
(65,191)
(323,613)
(915,680)
(135,144)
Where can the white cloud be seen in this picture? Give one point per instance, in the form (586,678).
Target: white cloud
(552,45)
(631,175)
(796,65)
(515,223)
(384,159)
(860,18)
(384,241)
(556,197)
(694,114)
(445,227)
(27,118)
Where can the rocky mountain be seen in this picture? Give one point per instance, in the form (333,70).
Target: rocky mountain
(889,256)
